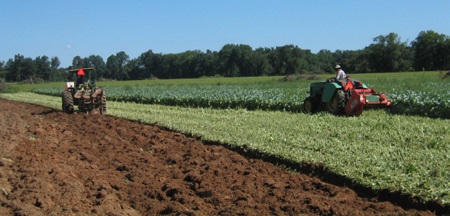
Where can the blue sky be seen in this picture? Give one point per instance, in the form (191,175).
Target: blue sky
(66,28)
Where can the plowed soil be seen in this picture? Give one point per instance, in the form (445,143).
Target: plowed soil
(52,163)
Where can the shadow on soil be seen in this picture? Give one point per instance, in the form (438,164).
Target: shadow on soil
(323,173)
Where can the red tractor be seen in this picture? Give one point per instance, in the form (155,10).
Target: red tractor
(343,97)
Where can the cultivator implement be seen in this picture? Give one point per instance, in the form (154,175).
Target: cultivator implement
(360,98)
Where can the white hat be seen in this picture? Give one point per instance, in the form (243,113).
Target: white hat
(337,66)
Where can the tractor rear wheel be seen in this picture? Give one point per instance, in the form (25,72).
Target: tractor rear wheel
(337,103)
(309,105)
(67,102)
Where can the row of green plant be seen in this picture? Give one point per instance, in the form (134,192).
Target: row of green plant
(212,96)
(418,93)
(411,96)
(402,153)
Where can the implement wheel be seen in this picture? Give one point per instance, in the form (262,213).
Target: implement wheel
(102,107)
(337,103)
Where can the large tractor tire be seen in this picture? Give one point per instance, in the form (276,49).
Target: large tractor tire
(337,103)
(310,105)
(67,102)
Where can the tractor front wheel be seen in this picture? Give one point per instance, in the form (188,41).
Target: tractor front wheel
(309,105)
(337,103)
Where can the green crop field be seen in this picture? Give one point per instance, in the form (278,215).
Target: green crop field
(413,93)
(406,151)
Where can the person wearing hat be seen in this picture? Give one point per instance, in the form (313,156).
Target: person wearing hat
(340,74)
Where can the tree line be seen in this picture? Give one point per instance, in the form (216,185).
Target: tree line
(388,53)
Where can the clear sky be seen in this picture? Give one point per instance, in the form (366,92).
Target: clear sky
(66,28)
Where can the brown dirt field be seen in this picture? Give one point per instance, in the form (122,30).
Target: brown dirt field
(52,163)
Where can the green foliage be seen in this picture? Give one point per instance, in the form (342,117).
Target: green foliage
(431,51)
(26,69)
(432,104)
(412,93)
(387,53)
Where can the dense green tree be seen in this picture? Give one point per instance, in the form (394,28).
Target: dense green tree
(353,61)
(360,61)
(386,53)
(241,60)
(27,69)
(430,51)
(116,65)
(136,69)
(231,59)
(201,64)
(244,57)
(326,61)
(310,63)
(77,62)
(261,66)
(21,69)
(14,67)
(190,64)
(43,67)
(131,67)
(148,65)
(56,73)
(285,62)
(170,67)
(407,59)
(290,59)
(54,63)
(447,54)
(3,71)
(210,63)
(96,62)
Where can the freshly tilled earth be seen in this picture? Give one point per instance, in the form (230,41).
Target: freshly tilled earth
(52,163)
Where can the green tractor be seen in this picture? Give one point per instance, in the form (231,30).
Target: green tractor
(346,96)
(83,93)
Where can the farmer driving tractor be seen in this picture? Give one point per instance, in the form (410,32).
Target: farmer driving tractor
(340,74)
